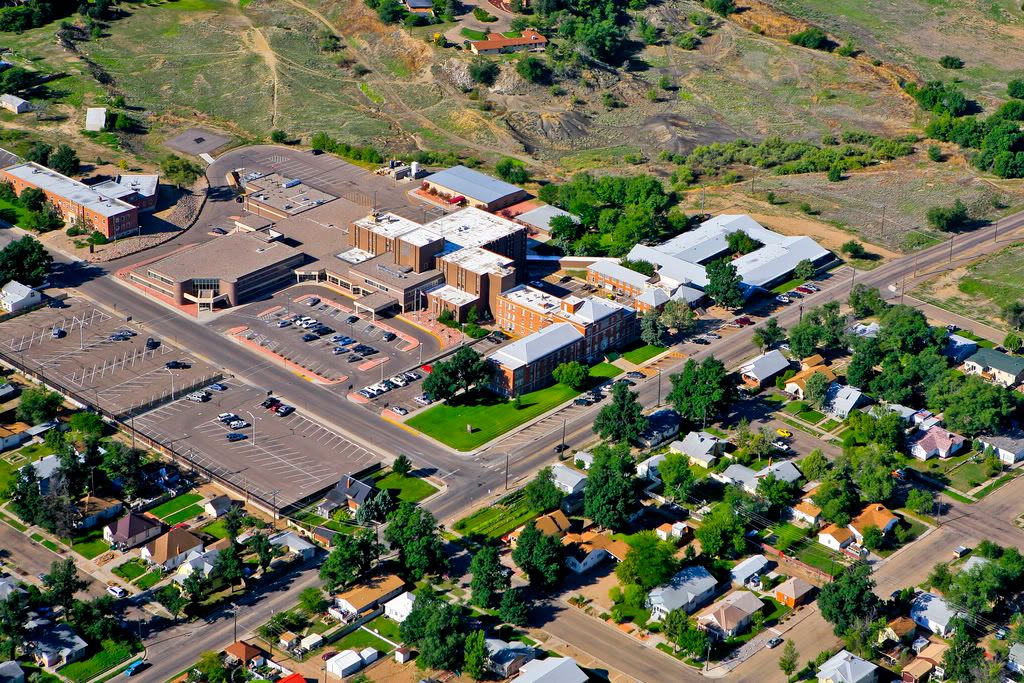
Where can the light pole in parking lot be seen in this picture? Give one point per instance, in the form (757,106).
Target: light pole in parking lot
(172,381)
(252,421)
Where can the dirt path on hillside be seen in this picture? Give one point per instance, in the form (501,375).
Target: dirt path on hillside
(257,42)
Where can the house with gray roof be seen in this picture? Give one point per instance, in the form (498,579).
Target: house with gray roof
(690,589)
(552,670)
(45,469)
(932,612)
(701,448)
(846,667)
(540,218)
(995,366)
(506,658)
(662,425)
(9,586)
(479,189)
(959,348)
(758,371)
(11,672)
(648,469)
(746,478)
(783,470)
(1008,444)
(754,565)
(54,644)
(567,480)
(583,459)
(841,400)
(1015,658)
(293,543)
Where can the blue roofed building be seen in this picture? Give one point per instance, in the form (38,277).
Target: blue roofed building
(476,188)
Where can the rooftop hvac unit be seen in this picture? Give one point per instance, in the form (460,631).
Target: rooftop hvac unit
(290,183)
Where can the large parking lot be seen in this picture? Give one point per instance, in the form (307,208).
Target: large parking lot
(292,455)
(271,325)
(77,347)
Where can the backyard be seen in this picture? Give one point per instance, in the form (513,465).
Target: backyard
(359,639)
(497,520)
(14,461)
(110,655)
(179,509)
(407,487)
(474,418)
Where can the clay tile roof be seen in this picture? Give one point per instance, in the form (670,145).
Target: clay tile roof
(528,36)
(840,533)
(875,514)
(808,508)
(243,651)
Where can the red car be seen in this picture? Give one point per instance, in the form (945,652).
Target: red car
(743,321)
(804,290)
(327,655)
(180,525)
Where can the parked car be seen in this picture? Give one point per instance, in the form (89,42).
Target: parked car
(238,424)
(218,231)
(235,436)
(354,358)
(424,399)
(57,303)
(812,287)
(782,299)
(135,667)
(151,343)
(176,365)
(700,341)
(284,323)
(327,655)
(219,387)
(312,302)
(785,433)
(582,402)
(389,336)
(338,350)
(309,337)
(774,642)
(116,590)
(285,410)
(57,333)
(804,289)
(560,448)
(274,404)
(400,410)
(743,321)
(780,444)
(267,402)
(352,319)
(635,374)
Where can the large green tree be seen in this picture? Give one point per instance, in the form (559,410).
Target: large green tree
(724,284)
(540,556)
(352,556)
(702,392)
(677,476)
(514,608)
(721,533)
(849,598)
(649,562)
(489,577)
(572,374)
(622,419)
(38,404)
(13,619)
(964,657)
(610,495)
(816,389)
(62,582)
(436,629)
(541,493)
(475,656)
(768,335)
(413,531)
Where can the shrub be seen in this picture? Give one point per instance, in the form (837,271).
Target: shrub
(853,249)
(835,173)
(935,153)
(813,38)
(951,62)
(721,7)
(1015,88)
(847,50)
(948,218)
(533,70)
(278,137)
(483,70)
(687,41)
(482,15)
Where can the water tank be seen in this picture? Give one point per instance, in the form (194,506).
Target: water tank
(415,169)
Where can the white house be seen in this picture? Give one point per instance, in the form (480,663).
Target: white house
(835,537)
(937,442)
(1015,659)
(293,543)
(701,448)
(15,297)
(398,609)
(586,550)
(995,366)
(691,588)
(583,459)
(217,506)
(841,400)
(1008,445)
(567,480)
(932,612)
(551,670)
(13,103)
(171,549)
(648,469)
(757,371)
(846,667)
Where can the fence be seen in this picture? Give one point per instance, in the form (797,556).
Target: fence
(783,558)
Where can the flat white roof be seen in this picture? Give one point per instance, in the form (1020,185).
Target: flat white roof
(540,217)
(534,299)
(421,237)
(71,190)
(145,184)
(95,118)
(388,224)
(537,345)
(355,255)
(473,227)
(453,295)
(479,260)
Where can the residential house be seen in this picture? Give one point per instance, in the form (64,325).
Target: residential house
(1008,445)
(676,531)
(244,654)
(348,492)
(995,366)
(898,630)
(15,297)
(924,420)
(812,361)
(688,590)
(754,565)
(293,543)
(841,400)
(932,612)
(793,591)
(873,515)
(759,371)
(936,442)
(368,594)
(846,667)
(869,331)
(8,586)
(584,551)
(835,537)
(506,659)
(497,43)
(739,475)
(131,530)
(797,384)
(202,561)
(583,460)
(905,413)
(45,469)
(1015,659)
(171,549)
(217,506)
(398,609)
(14,434)
(551,670)
(783,470)
(730,616)
(927,660)
(324,536)
(959,348)
(701,448)
(94,510)
(567,480)
(11,672)
(806,511)
(648,469)
(288,640)
(552,524)
(15,104)
(54,644)
(662,425)
(420,6)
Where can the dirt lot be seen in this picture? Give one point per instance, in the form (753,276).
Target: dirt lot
(117,374)
(292,455)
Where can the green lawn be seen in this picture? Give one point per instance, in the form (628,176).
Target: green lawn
(811,416)
(184,514)
(499,519)
(408,488)
(788,285)
(998,483)
(130,570)
(33,670)
(817,555)
(643,353)
(29,453)
(803,410)
(216,529)
(90,545)
(491,415)
(14,523)
(171,506)
(386,628)
(359,639)
(111,654)
(149,580)
(786,535)
(829,425)
(13,213)
(472,34)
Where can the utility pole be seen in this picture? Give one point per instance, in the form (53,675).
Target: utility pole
(801,313)
(903,288)
(951,248)
(506,470)
(563,437)
(881,228)
(702,200)
(659,388)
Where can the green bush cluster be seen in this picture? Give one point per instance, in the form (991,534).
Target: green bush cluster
(326,143)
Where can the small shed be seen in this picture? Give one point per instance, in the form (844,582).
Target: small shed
(368,655)
(311,642)
(288,640)
(95,118)
(344,663)
(403,655)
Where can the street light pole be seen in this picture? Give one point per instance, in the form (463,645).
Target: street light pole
(253,423)
(563,437)
(659,388)
(172,381)
(506,470)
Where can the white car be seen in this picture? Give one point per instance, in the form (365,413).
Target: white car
(284,323)
(400,381)
(783,299)
(238,424)
(227,417)
(116,590)
(780,444)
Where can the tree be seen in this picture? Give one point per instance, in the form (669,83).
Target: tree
(815,465)
(312,600)
(442,383)
(873,538)
(722,8)
(652,330)
(64,160)
(790,658)
(610,495)
(468,367)
(24,494)
(693,641)
(376,508)
(768,335)
(180,172)
(540,556)
(211,668)
(475,657)
(721,534)
(489,577)
(566,229)
(724,284)
(483,71)
(866,301)
(352,556)
(123,465)
(196,587)
(948,219)
(853,249)
(813,38)
(228,566)
(533,70)
(835,173)
(951,62)
(572,374)
(649,562)
(435,628)
(62,582)
(514,609)
(413,531)
(85,424)
(13,618)
(677,315)
(233,520)
(94,619)
(804,338)
(25,260)
(264,549)
(512,171)
(776,492)
(622,419)
(740,242)
(963,656)
(702,392)
(816,389)
(402,465)
(849,598)
(541,493)
(172,600)
(39,153)
(677,476)
(920,501)
(805,270)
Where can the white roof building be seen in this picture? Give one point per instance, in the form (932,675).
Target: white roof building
(764,367)
(14,103)
(551,670)
(15,296)
(95,118)
(537,345)
(399,609)
(568,480)
(845,667)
